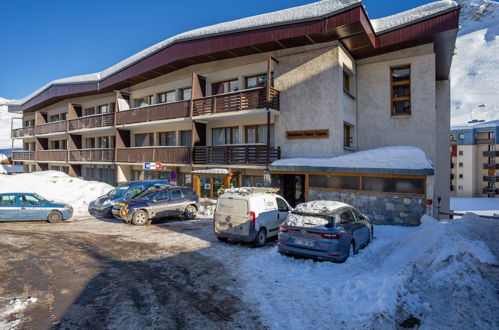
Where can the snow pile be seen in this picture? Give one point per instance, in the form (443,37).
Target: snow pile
(411,16)
(480,206)
(5,122)
(56,186)
(398,157)
(10,316)
(440,274)
(475,66)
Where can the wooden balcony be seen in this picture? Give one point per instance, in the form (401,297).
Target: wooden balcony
(491,178)
(23,155)
(55,127)
(485,141)
(91,155)
(162,111)
(248,99)
(236,155)
(94,121)
(491,153)
(171,155)
(52,155)
(23,132)
(488,166)
(491,191)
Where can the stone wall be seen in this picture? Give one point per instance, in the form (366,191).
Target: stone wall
(380,208)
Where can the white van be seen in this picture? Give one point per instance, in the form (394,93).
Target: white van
(249,215)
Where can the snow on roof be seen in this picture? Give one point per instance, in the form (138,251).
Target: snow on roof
(387,23)
(397,157)
(212,171)
(320,207)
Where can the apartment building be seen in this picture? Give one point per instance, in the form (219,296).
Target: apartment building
(215,107)
(475,160)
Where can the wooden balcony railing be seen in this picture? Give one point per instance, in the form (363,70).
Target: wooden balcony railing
(52,155)
(94,121)
(491,153)
(485,141)
(488,166)
(173,155)
(235,101)
(236,154)
(91,155)
(491,191)
(55,127)
(23,155)
(23,132)
(491,178)
(162,111)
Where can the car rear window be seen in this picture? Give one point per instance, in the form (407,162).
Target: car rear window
(232,206)
(308,220)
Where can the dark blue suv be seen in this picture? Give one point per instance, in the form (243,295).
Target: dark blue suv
(158,202)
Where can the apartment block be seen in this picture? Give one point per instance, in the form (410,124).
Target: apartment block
(475,160)
(215,107)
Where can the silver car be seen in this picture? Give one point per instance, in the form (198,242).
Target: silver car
(325,230)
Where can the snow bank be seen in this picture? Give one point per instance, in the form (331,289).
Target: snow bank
(440,273)
(11,314)
(398,157)
(384,24)
(56,186)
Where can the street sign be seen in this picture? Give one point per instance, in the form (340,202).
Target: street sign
(173,175)
(151,166)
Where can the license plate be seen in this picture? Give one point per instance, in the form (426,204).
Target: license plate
(304,242)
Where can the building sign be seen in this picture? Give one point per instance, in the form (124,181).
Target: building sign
(151,166)
(317,134)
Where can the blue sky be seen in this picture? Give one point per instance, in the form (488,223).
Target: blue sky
(45,40)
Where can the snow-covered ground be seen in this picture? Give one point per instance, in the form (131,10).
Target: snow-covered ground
(11,315)
(481,206)
(433,272)
(56,186)
(475,66)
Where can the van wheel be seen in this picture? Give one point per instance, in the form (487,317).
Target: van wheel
(139,218)
(54,217)
(261,237)
(190,212)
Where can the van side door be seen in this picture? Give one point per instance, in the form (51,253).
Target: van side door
(283,209)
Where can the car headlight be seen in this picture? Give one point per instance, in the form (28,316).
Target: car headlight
(68,207)
(108,201)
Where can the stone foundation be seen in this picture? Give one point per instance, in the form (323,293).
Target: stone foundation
(380,208)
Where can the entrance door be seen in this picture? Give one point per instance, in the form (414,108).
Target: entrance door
(294,189)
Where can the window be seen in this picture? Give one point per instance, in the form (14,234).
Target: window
(29,200)
(460,187)
(7,199)
(259,80)
(58,117)
(89,111)
(492,147)
(393,185)
(346,81)
(252,181)
(168,139)
(460,176)
(166,97)
(185,138)
(258,134)
(132,192)
(58,145)
(89,143)
(106,108)
(357,215)
(225,135)
(347,217)
(144,140)
(347,135)
(185,94)
(401,90)
(334,182)
(29,123)
(460,152)
(281,205)
(225,87)
(176,194)
(143,101)
(162,196)
(461,136)
(460,164)
(105,142)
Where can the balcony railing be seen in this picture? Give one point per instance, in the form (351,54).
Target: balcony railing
(491,153)
(52,155)
(487,166)
(91,155)
(94,121)
(255,98)
(484,141)
(154,112)
(491,178)
(23,155)
(491,191)
(23,132)
(236,154)
(172,155)
(55,127)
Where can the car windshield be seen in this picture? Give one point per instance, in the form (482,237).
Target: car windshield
(147,195)
(118,191)
(40,198)
(308,220)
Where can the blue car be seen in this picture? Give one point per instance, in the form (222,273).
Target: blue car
(28,206)
(103,205)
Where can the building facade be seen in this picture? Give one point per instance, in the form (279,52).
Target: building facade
(216,106)
(475,160)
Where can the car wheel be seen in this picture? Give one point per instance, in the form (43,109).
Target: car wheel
(351,251)
(261,237)
(139,218)
(222,239)
(190,212)
(54,217)
(371,235)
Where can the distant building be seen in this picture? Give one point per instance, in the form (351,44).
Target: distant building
(475,160)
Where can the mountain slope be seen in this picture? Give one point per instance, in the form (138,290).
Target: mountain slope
(475,67)
(5,119)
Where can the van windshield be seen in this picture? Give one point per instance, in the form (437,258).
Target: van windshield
(309,220)
(118,191)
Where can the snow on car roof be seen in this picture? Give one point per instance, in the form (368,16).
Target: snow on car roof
(320,207)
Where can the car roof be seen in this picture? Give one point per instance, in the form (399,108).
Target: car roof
(322,207)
